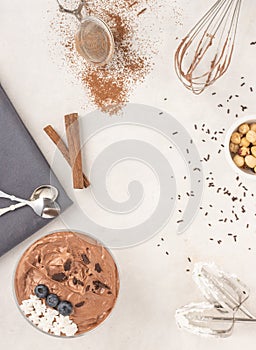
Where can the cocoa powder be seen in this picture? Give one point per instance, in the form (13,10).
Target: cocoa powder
(109,87)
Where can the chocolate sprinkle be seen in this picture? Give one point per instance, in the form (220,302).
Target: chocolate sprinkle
(142,11)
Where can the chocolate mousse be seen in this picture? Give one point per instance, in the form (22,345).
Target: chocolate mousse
(76,270)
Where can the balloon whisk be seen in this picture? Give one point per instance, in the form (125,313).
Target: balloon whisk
(204,55)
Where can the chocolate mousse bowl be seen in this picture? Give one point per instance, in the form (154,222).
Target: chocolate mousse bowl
(66,283)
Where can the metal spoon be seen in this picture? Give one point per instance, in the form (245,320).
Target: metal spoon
(42,206)
(44,191)
(94,39)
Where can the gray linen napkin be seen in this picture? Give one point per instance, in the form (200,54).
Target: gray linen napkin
(22,169)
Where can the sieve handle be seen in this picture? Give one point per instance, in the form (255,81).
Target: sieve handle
(76,12)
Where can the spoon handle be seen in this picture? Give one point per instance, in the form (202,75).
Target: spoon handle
(11,208)
(13,198)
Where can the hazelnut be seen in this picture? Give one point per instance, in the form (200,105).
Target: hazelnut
(253,127)
(239,161)
(236,138)
(251,136)
(244,142)
(250,161)
(244,128)
(233,148)
(243,151)
(253,151)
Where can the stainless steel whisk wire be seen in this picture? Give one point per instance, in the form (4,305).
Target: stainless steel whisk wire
(223,14)
(230,299)
(225,294)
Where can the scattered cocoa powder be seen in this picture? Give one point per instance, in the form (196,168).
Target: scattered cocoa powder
(109,87)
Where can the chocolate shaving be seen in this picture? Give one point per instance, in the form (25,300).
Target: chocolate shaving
(74,280)
(79,304)
(98,284)
(67,265)
(98,267)
(85,259)
(87,288)
(59,277)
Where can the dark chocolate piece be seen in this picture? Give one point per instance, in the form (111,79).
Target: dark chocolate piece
(80,283)
(85,259)
(98,284)
(59,277)
(98,267)
(79,304)
(67,265)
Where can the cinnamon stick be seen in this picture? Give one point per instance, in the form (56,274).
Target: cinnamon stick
(56,139)
(73,137)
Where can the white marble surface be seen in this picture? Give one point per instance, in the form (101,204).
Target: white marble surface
(153,284)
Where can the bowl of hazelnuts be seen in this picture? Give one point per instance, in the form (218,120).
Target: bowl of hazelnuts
(241,146)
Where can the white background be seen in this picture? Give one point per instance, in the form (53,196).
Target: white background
(153,284)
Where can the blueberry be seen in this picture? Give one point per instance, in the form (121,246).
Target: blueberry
(65,308)
(52,300)
(41,291)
